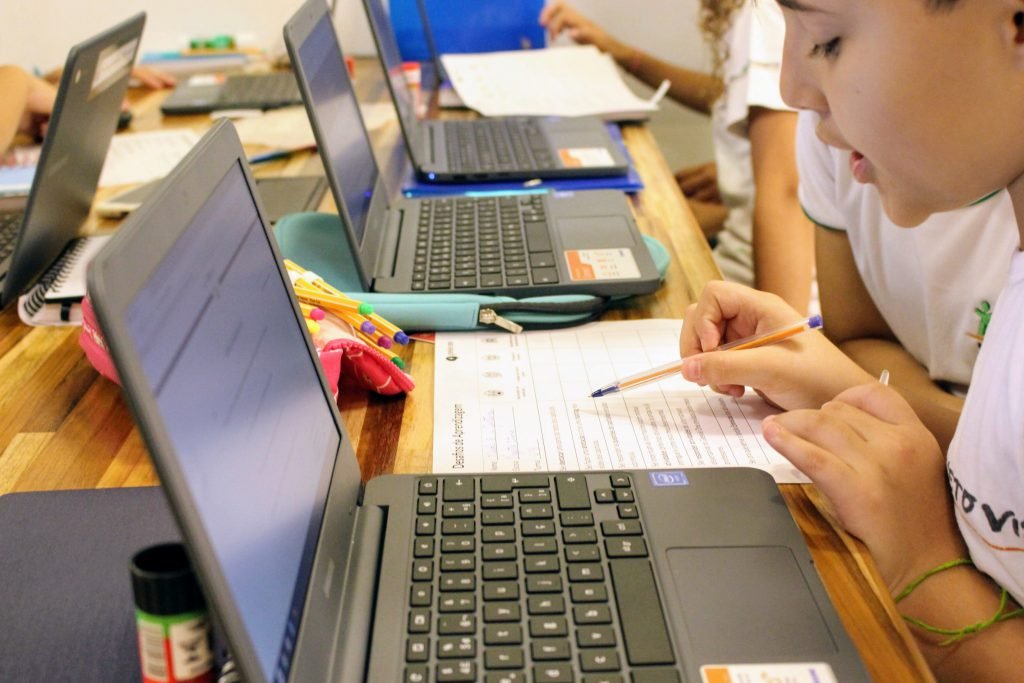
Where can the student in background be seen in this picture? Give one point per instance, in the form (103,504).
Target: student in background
(26,103)
(915,302)
(766,241)
(946,533)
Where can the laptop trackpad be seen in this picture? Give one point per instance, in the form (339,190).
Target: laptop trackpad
(748,605)
(595,232)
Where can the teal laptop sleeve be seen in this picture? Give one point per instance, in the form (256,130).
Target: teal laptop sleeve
(316,242)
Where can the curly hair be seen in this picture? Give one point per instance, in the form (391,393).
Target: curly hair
(715,19)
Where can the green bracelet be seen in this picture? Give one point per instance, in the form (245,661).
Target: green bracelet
(959,562)
(956,635)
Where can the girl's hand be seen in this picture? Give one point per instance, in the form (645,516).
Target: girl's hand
(801,372)
(882,471)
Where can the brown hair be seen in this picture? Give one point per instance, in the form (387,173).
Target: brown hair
(715,19)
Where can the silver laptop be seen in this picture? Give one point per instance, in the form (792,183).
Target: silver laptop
(499,148)
(314,576)
(34,231)
(514,244)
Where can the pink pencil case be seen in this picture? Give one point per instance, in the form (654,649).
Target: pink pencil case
(344,358)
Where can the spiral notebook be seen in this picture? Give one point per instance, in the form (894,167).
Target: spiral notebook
(56,299)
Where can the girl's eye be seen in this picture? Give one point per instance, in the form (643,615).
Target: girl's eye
(827,50)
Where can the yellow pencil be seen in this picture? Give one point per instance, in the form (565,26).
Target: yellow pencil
(675,367)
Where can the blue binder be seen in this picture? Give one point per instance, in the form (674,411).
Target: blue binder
(467,26)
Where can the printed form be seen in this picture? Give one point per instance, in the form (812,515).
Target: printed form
(521,403)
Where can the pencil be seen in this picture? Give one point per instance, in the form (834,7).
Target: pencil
(675,367)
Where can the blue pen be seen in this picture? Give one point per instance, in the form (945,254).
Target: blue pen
(675,367)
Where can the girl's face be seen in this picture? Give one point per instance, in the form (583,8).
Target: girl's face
(929,102)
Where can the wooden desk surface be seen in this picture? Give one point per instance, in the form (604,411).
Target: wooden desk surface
(63,426)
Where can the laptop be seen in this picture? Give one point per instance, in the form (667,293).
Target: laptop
(281,195)
(314,576)
(433,71)
(206,93)
(513,244)
(34,230)
(499,148)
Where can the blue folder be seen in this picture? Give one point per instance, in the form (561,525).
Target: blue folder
(630,182)
(467,26)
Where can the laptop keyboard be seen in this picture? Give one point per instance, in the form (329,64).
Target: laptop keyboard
(259,91)
(487,146)
(483,243)
(10,221)
(533,578)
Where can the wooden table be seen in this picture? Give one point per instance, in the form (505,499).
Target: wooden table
(62,426)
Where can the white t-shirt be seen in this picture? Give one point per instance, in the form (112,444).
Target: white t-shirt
(751,76)
(986,457)
(934,284)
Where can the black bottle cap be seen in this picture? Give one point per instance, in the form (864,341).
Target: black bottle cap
(163,581)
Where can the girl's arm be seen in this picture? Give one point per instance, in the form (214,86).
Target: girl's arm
(783,237)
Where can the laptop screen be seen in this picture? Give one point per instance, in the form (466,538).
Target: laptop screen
(245,413)
(338,117)
(391,58)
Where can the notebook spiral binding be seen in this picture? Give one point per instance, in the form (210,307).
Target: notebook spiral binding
(55,276)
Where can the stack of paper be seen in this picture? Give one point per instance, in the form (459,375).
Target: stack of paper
(558,81)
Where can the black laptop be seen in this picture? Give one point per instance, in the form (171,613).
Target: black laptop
(569,576)
(499,148)
(206,93)
(514,244)
(34,231)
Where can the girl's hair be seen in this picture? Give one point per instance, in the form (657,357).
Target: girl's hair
(715,19)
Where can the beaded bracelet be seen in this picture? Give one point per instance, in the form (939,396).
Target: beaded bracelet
(956,635)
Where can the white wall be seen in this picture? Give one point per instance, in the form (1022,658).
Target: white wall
(39,32)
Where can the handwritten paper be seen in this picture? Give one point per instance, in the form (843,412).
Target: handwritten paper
(521,403)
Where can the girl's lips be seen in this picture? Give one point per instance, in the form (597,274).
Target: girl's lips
(859,166)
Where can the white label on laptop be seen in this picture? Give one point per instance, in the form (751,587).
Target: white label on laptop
(586,265)
(204,80)
(585,157)
(114,62)
(816,672)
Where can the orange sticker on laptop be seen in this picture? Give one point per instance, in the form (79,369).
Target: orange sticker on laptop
(815,672)
(585,157)
(587,265)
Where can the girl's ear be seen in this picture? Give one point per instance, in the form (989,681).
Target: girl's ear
(1014,30)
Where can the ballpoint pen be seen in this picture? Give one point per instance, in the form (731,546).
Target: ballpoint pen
(675,367)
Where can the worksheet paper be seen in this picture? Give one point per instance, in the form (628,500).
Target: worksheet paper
(142,157)
(521,403)
(556,81)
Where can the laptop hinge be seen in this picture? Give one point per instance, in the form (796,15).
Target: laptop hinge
(355,623)
(387,258)
(431,145)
